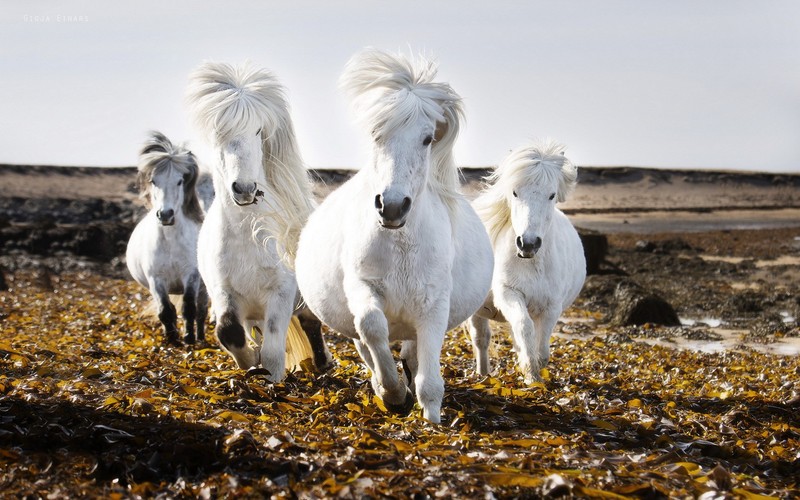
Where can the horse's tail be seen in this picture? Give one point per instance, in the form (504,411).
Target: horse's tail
(298,347)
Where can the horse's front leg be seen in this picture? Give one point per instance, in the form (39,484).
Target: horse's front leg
(166,311)
(428,381)
(230,331)
(514,308)
(544,330)
(280,306)
(373,332)
(481,334)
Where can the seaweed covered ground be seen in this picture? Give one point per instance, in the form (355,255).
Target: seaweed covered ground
(92,404)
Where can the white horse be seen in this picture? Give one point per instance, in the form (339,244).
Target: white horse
(539,265)
(263,197)
(162,250)
(396,253)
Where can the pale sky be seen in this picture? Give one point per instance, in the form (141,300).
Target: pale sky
(686,83)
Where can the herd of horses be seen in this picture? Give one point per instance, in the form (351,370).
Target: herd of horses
(396,253)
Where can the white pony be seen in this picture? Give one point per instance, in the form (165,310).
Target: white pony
(263,197)
(396,253)
(539,265)
(162,250)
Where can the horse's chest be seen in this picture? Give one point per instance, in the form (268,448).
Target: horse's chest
(179,249)
(406,274)
(531,278)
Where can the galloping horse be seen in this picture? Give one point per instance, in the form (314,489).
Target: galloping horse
(263,197)
(397,253)
(539,264)
(162,250)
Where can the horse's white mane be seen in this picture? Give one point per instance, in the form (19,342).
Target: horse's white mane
(535,163)
(159,154)
(228,101)
(390,91)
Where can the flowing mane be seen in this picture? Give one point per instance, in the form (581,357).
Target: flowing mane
(533,164)
(159,154)
(391,91)
(227,101)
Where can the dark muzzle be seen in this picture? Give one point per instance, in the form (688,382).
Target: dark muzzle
(528,248)
(393,213)
(166,217)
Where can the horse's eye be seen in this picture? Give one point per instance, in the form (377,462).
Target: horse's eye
(552,196)
(180,183)
(259,132)
(514,193)
(427,140)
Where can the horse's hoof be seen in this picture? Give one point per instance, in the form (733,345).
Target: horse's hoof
(187,339)
(173,341)
(257,371)
(323,364)
(404,408)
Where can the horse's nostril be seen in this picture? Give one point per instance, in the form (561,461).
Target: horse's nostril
(158,213)
(520,243)
(379,203)
(236,188)
(406,205)
(537,243)
(167,214)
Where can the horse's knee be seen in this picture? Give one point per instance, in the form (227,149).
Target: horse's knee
(373,327)
(230,332)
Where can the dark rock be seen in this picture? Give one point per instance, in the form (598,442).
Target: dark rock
(595,249)
(637,306)
(665,247)
(747,302)
(645,246)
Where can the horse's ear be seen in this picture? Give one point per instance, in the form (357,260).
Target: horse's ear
(441,130)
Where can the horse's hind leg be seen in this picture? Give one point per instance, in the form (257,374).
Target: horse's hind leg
(481,334)
(189,310)
(202,311)
(313,328)
(166,312)
(191,306)
(408,355)
(544,330)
